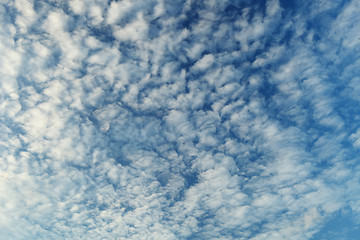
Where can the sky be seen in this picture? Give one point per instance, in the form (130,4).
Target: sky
(182,119)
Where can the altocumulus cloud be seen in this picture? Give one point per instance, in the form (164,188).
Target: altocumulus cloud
(179,119)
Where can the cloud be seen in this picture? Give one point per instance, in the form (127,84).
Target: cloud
(138,120)
(205,62)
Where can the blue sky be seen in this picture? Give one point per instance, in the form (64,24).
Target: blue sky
(180,119)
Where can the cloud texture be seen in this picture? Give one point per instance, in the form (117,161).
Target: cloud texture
(178,119)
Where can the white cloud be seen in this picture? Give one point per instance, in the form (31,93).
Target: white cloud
(117,10)
(355,137)
(229,120)
(77,6)
(95,14)
(27,17)
(205,62)
(136,30)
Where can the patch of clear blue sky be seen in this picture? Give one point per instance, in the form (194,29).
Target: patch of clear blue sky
(343,226)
